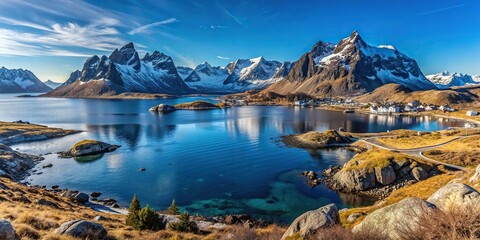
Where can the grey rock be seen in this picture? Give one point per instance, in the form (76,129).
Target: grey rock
(476,176)
(354,180)
(392,220)
(82,197)
(7,232)
(95,194)
(168,219)
(205,225)
(100,218)
(385,175)
(82,229)
(454,196)
(353,217)
(419,174)
(309,222)
(49,165)
(47,203)
(162,108)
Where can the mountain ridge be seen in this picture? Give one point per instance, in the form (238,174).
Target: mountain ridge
(20,81)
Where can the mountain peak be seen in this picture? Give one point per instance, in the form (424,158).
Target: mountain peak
(352,41)
(127,55)
(128,46)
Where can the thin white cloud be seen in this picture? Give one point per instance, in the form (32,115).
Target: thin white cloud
(213,27)
(58,39)
(228,13)
(223,58)
(146,27)
(441,9)
(15,22)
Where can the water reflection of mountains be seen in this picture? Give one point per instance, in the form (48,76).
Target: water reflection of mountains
(131,134)
(259,122)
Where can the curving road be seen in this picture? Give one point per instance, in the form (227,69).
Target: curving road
(417,152)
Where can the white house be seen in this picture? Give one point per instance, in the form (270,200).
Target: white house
(472,113)
(420,108)
(446,108)
(430,108)
(394,109)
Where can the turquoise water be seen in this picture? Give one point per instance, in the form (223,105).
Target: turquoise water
(211,162)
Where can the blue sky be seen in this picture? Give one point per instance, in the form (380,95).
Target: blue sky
(53,38)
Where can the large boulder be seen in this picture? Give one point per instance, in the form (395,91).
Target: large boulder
(162,108)
(354,180)
(392,220)
(82,229)
(6,230)
(419,174)
(167,219)
(454,196)
(385,175)
(82,197)
(88,147)
(476,175)
(311,221)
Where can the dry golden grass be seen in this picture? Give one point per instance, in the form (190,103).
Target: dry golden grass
(406,139)
(8,129)
(373,158)
(464,152)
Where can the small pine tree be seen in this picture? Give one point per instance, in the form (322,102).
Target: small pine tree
(173,209)
(148,219)
(132,218)
(184,225)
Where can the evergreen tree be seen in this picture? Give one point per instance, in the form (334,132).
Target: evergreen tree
(184,225)
(173,209)
(132,218)
(148,219)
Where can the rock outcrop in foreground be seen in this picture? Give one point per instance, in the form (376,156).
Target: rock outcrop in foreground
(392,220)
(407,218)
(312,221)
(88,147)
(82,229)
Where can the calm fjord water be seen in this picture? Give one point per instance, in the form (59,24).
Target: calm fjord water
(210,162)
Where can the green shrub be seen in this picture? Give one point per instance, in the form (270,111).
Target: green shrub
(148,219)
(142,218)
(184,225)
(173,209)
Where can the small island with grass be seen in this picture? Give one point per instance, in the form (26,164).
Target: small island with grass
(196,106)
(87,148)
(318,140)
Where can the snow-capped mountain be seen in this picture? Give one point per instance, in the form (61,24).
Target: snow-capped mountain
(124,71)
(20,81)
(51,84)
(446,79)
(238,76)
(207,79)
(184,72)
(351,67)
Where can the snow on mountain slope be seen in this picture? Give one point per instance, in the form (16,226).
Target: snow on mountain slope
(238,76)
(124,71)
(20,81)
(184,72)
(446,79)
(351,67)
(51,84)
